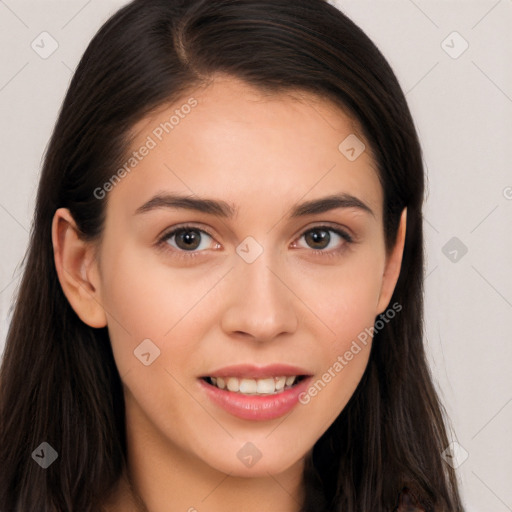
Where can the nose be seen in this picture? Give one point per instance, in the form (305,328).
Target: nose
(260,305)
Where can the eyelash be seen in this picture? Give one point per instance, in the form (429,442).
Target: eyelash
(162,241)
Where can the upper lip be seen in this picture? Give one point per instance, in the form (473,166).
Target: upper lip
(251,371)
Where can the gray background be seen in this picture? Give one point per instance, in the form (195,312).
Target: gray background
(462,105)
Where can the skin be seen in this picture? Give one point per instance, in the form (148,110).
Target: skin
(261,154)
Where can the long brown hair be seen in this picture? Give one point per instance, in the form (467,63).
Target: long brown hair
(58,380)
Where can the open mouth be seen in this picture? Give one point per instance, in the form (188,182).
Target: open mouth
(257,387)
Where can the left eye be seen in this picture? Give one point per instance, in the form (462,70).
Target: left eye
(322,238)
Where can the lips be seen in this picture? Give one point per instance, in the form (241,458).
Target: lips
(256,393)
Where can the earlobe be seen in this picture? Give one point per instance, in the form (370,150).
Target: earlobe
(393,266)
(77,269)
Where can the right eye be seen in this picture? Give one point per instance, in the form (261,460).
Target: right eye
(188,239)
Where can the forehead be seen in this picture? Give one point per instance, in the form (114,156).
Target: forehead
(233,141)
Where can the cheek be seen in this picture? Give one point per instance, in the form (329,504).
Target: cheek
(351,317)
(146,299)
(344,297)
(344,355)
(346,303)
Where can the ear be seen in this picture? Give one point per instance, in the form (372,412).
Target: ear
(77,269)
(393,266)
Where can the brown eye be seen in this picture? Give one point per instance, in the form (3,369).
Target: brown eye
(318,238)
(188,239)
(325,239)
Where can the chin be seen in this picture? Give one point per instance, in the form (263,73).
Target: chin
(249,463)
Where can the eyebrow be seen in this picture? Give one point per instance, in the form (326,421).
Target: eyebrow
(224,209)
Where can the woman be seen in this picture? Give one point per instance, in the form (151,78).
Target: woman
(222,298)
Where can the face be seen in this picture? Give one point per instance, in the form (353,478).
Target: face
(266,279)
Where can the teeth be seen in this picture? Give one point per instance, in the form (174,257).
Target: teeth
(267,386)
(290,380)
(281,382)
(233,384)
(248,386)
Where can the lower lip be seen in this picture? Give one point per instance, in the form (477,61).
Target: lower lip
(253,407)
